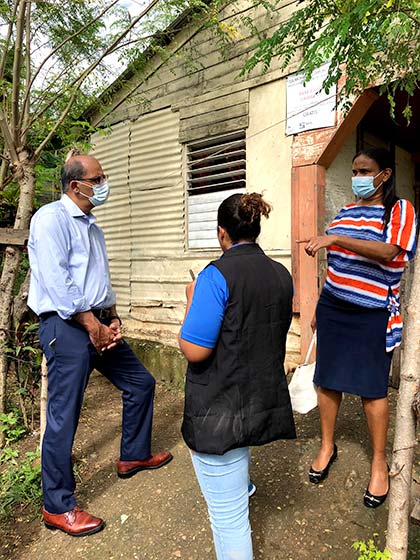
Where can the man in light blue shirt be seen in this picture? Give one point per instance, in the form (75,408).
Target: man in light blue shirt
(80,331)
(56,272)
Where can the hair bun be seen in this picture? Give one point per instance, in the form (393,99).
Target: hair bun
(251,206)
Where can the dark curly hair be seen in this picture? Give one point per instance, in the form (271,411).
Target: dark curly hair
(384,159)
(240,215)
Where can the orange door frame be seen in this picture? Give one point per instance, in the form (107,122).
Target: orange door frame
(312,154)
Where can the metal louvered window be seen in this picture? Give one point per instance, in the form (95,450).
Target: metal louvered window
(216,169)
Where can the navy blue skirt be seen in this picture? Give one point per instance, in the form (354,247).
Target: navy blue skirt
(351,356)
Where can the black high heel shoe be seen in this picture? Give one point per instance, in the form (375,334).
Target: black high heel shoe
(372,501)
(318,476)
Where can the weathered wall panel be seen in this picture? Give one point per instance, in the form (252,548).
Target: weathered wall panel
(216,119)
(198,65)
(114,217)
(157,191)
(176,105)
(269,163)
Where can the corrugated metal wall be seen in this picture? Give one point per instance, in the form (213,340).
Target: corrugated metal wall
(156,185)
(157,191)
(150,261)
(143,220)
(112,150)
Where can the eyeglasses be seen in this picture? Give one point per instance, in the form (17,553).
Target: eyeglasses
(96,180)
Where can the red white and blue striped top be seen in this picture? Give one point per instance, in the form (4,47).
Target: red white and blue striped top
(366,282)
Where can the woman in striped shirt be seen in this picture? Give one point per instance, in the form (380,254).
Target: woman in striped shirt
(357,317)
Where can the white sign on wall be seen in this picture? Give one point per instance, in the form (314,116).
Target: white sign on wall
(308,106)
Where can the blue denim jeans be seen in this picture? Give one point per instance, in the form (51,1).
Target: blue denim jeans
(223,481)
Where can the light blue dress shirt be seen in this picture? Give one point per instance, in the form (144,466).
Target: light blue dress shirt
(69,261)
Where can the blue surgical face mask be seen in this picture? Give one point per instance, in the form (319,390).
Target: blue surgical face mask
(363,187)
(100,193)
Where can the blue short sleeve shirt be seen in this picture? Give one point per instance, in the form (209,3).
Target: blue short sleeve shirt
(205,316)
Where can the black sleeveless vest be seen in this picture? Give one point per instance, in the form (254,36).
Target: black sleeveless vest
(239,397)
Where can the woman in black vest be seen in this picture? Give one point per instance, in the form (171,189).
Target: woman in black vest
(234,338)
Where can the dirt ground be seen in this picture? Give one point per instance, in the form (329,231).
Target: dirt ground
(161,514)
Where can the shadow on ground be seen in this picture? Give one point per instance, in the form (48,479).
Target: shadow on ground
(161,514)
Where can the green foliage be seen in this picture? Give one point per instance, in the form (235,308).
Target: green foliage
(11,425)
(24,353)
(8,454)
(66,38)
(9,198)
(73,49)
(379,41)
(20,481)
(60,19)
(369,551)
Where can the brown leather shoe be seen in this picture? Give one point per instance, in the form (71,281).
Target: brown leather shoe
(76,522)
(125,469)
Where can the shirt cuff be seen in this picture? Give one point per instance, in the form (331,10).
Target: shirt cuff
(79,305)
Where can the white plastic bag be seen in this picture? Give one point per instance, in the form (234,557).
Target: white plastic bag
(301,388)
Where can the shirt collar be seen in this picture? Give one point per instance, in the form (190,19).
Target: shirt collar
(241,243)
(75,211)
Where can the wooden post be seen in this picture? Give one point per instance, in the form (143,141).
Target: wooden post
(308,183)
(43,399)
(313,152)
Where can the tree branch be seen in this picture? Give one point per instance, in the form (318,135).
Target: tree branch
(58,47)
(58,123)
(26,108)
(408,14)
(77,82)
(7,40)
(6,181)
(8,140)
(17,65)
(138,39)
(46,92)
(4,168)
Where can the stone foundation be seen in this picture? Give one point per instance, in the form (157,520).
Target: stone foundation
(166,363)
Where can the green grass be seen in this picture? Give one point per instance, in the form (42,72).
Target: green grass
(369,551)
(20,481)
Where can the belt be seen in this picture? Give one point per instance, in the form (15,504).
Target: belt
(47,314)
(101,314)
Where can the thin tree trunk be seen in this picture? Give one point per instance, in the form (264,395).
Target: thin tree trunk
(28,66)
(3,172)
(405,428)
(19,311)
(25,174)
(8,277)
(43,399)
(17,65)
(19,303)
